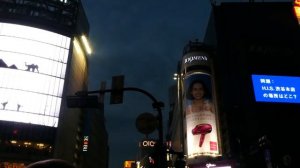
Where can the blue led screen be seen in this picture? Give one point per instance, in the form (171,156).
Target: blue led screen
(277,89)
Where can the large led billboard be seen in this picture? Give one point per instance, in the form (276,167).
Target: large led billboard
(32,71)
(276,89)
(201,116)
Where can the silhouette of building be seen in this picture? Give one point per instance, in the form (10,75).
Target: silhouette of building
(42,60)
(256,39)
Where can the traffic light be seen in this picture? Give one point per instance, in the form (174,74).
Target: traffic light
(117,85)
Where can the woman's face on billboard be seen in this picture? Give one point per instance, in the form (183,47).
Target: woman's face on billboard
(197,91)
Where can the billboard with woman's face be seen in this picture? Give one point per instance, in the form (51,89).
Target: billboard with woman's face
(200,116)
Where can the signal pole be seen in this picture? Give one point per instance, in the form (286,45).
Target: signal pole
(156,105)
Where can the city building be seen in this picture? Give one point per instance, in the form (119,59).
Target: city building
(255,53)
(43,58)
(195,120)
(261,40)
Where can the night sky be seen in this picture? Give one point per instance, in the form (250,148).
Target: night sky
(142,40)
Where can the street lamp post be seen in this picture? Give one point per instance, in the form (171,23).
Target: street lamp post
(178,78)
(156,105)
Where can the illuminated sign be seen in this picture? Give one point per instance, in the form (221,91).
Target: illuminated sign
(280,89)
(129,164)
(33,64)
(195,58)
(147,149)
(222,164)
(208,165)
(85,143)
(148,143)
(201,116)
(12,165)
(297,9)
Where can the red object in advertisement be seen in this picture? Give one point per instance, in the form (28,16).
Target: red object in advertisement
(202,129)
(297,2)
(213,146)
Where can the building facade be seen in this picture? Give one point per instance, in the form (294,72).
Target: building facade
(248,46)
(42,60)
(255,66)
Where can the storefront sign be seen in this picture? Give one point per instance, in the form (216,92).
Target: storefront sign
(148,143)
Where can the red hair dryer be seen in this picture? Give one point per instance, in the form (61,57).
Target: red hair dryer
(202,129)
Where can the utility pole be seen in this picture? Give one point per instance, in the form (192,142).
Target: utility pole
(81,95)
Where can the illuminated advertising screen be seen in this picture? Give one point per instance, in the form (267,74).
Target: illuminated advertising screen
(201,116)
(32,71)
(276,89)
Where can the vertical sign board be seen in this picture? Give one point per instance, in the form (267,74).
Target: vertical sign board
(199,107)
(85,143)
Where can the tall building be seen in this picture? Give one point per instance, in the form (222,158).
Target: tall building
(43,58)
(195,128)
(256,56)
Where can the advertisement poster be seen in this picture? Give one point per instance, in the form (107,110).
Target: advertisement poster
(200,114)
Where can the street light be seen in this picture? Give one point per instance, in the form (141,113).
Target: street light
(175,77)
(179,79)
(86,44)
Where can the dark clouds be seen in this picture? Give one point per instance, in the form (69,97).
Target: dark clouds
(142,40)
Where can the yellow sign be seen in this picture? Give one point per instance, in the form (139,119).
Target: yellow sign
(297,9)
(128,163)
